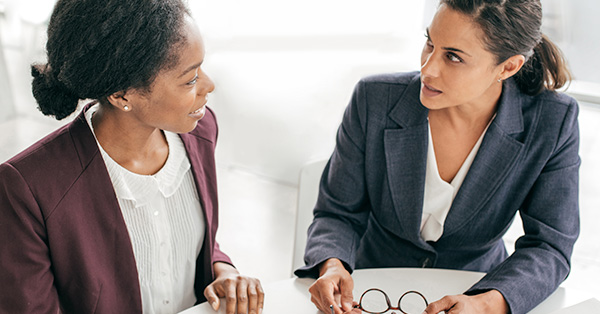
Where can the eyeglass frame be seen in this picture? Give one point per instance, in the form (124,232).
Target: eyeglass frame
(387,300)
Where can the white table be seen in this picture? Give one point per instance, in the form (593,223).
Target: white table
(291,296)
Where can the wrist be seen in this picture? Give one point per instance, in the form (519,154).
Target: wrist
(332,263)
(222,269)
(495,302)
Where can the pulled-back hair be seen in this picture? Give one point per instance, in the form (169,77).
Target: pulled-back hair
(99,47)
(513,27)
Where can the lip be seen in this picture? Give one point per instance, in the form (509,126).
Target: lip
(198,113)
(428,91)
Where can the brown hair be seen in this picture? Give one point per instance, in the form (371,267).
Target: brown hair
(513,27)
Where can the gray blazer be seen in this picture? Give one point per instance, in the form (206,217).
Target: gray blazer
(370,201)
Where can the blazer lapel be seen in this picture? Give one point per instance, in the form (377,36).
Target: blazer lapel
(496,156)
(199,151)
(406,157)
(112,237)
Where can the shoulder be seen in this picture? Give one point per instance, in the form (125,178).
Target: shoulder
(399,79)
(43,154)
(383,91)
(49,167)
(556,99)
(556,107)
(60,155)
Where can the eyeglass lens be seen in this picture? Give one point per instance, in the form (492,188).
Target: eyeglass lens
(375,301)
(412,302)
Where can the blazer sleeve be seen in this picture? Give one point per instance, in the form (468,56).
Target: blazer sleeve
(342,208)
(550,216)
(26,274)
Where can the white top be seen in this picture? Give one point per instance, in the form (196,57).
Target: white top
(165,223)
(440,194)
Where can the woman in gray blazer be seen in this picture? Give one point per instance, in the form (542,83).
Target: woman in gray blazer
(430,168)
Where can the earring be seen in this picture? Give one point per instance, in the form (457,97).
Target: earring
(126,108)
(499,80)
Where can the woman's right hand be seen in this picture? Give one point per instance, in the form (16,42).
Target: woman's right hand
(333,287)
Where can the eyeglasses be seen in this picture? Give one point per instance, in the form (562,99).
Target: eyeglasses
(375,301)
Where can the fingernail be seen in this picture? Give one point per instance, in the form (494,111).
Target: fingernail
(214,305)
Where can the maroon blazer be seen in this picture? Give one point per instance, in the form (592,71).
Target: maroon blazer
(64,246)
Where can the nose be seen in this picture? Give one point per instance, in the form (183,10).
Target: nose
(430,65)
(206,85)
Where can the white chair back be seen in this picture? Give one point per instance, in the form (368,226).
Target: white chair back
(308,190)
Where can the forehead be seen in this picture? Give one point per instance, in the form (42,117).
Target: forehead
(191,50)
(450,28)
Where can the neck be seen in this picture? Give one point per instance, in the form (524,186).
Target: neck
(138,148)
(472,115)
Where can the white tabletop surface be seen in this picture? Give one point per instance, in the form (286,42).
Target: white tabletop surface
(291,296)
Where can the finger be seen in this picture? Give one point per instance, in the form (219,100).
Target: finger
(261,298)
(242,297)
(327,300)
(230,296)
(324,307)
(346,287)
(444,304)
(315,294)
(252,300)
(211,296)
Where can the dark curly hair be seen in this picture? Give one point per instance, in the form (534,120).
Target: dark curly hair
(513,27)
(99,47)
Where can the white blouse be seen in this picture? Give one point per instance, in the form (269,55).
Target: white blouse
(165,223)
(440,194)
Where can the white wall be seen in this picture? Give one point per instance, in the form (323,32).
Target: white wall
(285,70)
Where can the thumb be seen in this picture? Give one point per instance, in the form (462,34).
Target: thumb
(444,304)
(346,287)
(212,298)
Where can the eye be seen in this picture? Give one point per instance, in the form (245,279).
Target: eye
(428,42)
(454,58)
(193,81)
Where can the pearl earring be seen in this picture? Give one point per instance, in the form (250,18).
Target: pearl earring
(126,108)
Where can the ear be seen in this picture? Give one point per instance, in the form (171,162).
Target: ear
(511,66)
(122,100)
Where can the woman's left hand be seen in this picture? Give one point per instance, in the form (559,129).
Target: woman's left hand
(490,302)
(242,294)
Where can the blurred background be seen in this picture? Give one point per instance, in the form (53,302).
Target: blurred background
(284,72)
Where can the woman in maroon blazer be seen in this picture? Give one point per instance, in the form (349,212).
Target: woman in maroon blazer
(71,240)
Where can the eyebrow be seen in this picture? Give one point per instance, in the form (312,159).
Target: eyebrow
(190,69)
(447,48)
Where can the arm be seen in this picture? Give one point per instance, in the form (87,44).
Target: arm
(341,213)
(550,217)
(342,208)
(26,272)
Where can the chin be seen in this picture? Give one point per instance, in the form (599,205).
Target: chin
(183,128)
(432,104)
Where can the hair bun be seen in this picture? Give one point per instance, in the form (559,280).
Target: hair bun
(53,98)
